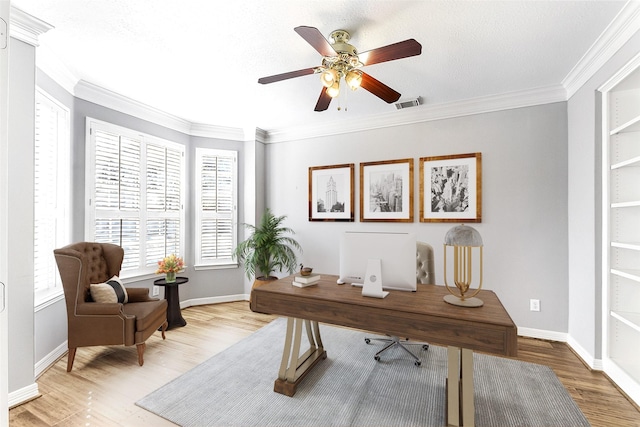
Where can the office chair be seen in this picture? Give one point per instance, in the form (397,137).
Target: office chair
(425,274)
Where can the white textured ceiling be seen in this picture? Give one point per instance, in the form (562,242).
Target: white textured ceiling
(200,59)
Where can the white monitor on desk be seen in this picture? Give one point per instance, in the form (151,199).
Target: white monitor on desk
(396,253)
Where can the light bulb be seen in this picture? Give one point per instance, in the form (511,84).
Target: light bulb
(354,79)
(334,90)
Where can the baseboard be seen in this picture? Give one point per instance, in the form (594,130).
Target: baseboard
(23,395)
(43,364)
(543,334)
(213,300)
(588,359)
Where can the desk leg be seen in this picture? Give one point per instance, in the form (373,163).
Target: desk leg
(295,366)
(460,400)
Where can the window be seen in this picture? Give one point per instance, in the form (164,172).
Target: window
(216,200)
(135,194)
(51,193)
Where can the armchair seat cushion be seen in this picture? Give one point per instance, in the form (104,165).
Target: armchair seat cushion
(147,313)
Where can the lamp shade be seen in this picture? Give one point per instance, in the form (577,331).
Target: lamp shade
(328,77)
(463,235)
(334,89)
(354,79)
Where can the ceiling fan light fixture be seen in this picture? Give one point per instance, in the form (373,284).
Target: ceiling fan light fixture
(334,89)
(354,79)
(328,77)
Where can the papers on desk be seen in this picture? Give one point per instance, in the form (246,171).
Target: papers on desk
(304,281)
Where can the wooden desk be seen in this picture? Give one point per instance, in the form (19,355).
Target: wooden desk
(421,315)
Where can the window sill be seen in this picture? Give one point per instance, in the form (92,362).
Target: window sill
(45,299)
(215,266)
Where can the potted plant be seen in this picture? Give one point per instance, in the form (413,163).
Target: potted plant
(268,249)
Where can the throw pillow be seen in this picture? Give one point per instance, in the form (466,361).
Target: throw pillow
(111,292)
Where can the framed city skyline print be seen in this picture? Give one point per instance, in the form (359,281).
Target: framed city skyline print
(451,188)
(386,191)
(331,193)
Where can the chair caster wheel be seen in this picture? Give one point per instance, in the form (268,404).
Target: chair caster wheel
(418,363)
(425,347)
(367,340)
(377,358)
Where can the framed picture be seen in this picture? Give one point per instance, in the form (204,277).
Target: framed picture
(386,191)
(451,188)
(331,193)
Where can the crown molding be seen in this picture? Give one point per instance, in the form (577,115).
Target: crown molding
(53,67)
(618,32)
(101,96)
(25,27)
(425,113)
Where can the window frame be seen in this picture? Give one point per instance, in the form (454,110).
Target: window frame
(92,125)
(44,296)
(200,214)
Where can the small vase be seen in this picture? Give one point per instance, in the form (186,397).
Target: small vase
(171,277)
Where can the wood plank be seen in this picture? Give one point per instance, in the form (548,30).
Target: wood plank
(421,315)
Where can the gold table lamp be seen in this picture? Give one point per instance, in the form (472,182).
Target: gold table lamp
(462,239)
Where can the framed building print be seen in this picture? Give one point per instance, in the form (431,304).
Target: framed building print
(451,188)
(331,193)
(386,191)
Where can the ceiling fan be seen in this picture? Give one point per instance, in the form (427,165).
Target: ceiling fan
(340,60)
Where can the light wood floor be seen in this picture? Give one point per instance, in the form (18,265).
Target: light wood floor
(106,381)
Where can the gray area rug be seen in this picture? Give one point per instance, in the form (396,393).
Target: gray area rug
(349,388)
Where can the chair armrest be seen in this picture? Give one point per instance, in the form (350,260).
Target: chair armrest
(99,309)
(139,295)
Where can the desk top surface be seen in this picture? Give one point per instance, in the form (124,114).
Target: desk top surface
(424,312)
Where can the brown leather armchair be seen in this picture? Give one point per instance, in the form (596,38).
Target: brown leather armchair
(91,323)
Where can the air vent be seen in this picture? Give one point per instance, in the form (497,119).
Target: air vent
(407,103)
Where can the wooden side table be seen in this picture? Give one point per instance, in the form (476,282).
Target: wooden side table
(174,314)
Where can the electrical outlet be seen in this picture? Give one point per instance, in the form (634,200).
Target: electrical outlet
(156,291)
(534,304)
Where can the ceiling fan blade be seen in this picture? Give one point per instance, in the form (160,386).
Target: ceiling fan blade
(391,52)
(323,101)
(285,76)
(315,38)
(379,89)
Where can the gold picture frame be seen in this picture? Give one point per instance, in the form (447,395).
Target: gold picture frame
(386,191)
(331,185)
(451,188)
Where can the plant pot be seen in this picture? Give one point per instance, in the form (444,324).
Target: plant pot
(259,281)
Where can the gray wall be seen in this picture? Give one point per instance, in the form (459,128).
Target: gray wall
(524,199)
(585,205)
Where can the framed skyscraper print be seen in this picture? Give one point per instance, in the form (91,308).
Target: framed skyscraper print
(451,188)
(386,191)
(331,193)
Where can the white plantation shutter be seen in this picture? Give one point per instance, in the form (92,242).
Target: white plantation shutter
(216,205)
(137,197)
(51,191)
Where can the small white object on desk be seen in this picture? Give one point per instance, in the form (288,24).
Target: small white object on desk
(304,281)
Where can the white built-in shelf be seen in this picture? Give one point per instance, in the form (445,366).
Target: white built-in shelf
(632,125)
(626,204)
(630,319)
(635,161)
(627,273)
(635,246)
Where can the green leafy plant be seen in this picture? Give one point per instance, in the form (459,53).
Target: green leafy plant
(269,248)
